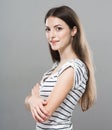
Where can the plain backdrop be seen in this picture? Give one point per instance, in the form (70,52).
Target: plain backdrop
(24,57)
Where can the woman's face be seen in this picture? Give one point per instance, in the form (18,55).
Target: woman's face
(58,33)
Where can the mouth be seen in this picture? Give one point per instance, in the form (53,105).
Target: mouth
(53,42)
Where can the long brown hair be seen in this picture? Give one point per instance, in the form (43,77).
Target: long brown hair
(80,47)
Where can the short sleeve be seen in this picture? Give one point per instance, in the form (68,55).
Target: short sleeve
(80,73)
(81,76)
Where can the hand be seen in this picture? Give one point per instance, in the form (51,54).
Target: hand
(36,104)
(35,92)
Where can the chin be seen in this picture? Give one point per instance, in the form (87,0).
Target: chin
(55,48)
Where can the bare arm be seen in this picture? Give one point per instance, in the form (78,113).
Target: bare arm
(42,111)
(27,102)
(35,91)
(60,91)
(35,105)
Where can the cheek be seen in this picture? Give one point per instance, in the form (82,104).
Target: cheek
(66,36)
(62,34)
(47,36)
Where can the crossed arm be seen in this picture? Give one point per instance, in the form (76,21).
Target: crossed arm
(42,110)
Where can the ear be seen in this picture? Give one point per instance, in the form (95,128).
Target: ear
(74,31)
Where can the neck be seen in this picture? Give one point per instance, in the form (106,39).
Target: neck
(67,54)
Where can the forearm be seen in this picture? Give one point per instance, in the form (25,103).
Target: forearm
(27,102)
(60,91)
(54,101)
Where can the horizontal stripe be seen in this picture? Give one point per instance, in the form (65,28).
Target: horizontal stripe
(61,118)
(62,113)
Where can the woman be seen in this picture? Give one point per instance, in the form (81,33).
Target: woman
(71,78)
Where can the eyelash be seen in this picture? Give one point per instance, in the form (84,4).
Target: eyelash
(47,29)
(57,29)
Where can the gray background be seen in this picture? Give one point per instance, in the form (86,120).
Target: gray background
(24,57)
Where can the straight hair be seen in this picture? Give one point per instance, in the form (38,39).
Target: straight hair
(80,47)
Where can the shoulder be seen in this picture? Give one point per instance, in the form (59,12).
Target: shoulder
(73,71)
(79,70)
(74,67)
(76,64)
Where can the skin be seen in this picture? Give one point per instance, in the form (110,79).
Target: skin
(60,37)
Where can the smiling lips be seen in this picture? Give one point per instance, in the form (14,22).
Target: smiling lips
(53,42)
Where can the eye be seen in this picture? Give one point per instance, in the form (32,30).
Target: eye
(59,28)
(47,29)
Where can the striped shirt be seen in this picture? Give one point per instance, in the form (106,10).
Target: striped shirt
(61,118)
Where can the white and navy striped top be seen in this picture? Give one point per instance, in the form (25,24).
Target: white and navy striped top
(61,118)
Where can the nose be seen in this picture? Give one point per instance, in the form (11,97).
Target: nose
(52,34)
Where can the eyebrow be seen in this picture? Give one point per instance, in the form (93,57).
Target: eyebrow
(55,25)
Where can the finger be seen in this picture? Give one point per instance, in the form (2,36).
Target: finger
(43,110)
(36,116)
(40,113)
(33,115)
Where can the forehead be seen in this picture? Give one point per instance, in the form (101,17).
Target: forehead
(52,21)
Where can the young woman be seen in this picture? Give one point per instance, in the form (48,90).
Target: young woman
(71,78)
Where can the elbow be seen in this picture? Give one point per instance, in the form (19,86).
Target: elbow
(27,102)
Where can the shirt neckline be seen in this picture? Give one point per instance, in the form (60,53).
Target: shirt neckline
(56,64)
